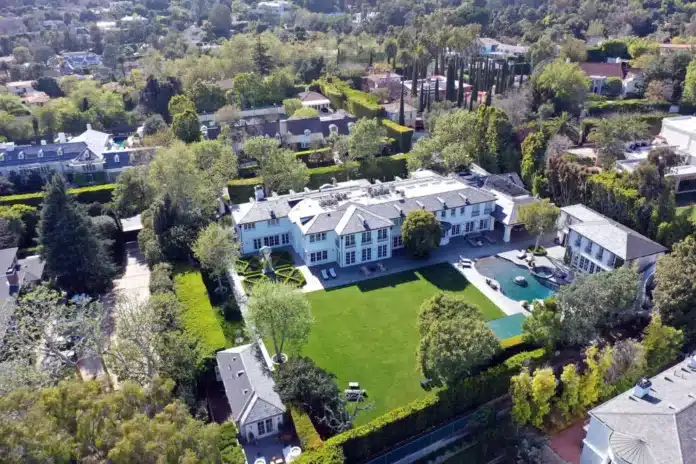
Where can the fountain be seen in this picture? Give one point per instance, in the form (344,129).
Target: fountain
(267,262)
(521,281)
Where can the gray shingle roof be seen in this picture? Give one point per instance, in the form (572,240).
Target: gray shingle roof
(658,428)
(249,385)
(265,210)
(33,154)
(453,199)
(357,219)
(325,222)
(618,239)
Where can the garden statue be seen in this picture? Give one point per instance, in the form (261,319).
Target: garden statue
(266,260)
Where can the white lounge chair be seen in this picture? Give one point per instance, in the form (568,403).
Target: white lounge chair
(332,273)
(324,275)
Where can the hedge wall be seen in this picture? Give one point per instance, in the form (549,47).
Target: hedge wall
(367,441)
(654,121)
(240,190)
(199,317)
(357,102)
(401,134)
(228,445)
(98,193)
(306,433)
(305,156)
(626,106)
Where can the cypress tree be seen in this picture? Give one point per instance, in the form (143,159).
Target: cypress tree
(74,255)
(460,89)
(437,69)
(437,90)
(422,98)
(450,89)
(414,79)
(474,94)
(402,117)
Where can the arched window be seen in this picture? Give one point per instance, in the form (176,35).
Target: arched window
(117,159)
(307,132)
(20,155)
(333,128)
(41,153)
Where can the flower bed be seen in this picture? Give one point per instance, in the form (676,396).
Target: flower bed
(287,275)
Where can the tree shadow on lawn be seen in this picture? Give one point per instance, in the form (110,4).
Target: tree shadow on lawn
(444,277)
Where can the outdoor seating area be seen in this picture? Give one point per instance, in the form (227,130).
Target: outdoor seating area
(465,262)
(367,271)
(327,274)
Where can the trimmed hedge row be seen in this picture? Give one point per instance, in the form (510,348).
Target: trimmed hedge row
(364,442)
(306,156)
(287,275)
(306,433)
(95,193)
(654,121)
(240,190)
(228,445)
(626,106)
(402,135)
(327,454)
(357,102)
(199,317)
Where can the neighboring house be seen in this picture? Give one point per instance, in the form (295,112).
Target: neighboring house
(71,62)
(275,8)
(653,423)
(388,80)
(428,85)
(391,111)
(673,48)
(495,48)
(314,100)
(36,98)
(12,26)
(595,243)
(600,72)
(20,87)
(89,153)
(256,408)
(18,272)
(356,222)
(678,133)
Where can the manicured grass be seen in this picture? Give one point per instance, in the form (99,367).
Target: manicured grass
(200,319)
(368,333)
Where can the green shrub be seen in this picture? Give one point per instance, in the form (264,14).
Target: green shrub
(364,442)
(357,102)
(327,454)
(597,108)
(161,278)
(87,195)
(199,317)
(306,433)
(402,135)
(512,341)
(228,445)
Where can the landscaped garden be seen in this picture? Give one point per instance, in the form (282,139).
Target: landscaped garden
(251,268)
(367,332)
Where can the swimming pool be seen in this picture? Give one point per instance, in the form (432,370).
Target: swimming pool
(505,272)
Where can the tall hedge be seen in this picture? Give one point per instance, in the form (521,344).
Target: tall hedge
(639,105)
(367,441)
(357,102)
(401,134)
(228,445)
(95,193)
(306,433)
(240,190)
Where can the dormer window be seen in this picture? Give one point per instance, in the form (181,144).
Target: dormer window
(2,157)
(117,159)
(60,151)
(20,155)
(333,128)
(41,154)
(307,132)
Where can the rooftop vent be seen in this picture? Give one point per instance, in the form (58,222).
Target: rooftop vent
(240,373)
(245,391)
(642,388)
(420,204)
(692,362)
(441,200)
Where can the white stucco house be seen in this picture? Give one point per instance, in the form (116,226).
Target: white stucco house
(255,407)
(653,423)
(594,243)
(356,222)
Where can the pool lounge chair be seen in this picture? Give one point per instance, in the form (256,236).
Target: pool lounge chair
(381,267)
(324,275)
(332,273)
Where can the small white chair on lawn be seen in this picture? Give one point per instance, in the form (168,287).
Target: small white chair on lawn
(324,275)
(332,273)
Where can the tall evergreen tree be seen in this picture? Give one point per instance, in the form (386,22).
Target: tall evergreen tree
(262,60)
(449,88)
(437,90)
(414,79)
(74,255)
(422,98)
(474,95)
(460,89)
(402,116)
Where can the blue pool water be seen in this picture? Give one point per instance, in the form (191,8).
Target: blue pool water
(505,272)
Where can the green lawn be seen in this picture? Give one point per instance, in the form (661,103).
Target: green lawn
(367,332)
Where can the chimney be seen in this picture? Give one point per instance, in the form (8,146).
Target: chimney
(61,137)
(258,193)
(642,388)
(12,277)
(89,126)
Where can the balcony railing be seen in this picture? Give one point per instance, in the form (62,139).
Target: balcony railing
(588,250)
(382,239)
(350,245)
(366,242)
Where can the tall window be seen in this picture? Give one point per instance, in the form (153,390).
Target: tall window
(483,224)
(286,238)
(366,237)
(382,251)
(453,212)
(269,425)
(397,241)
(443,213)
(367,254)
(381,235)
(456,229)
(249,226)
(350,257)
(350,240)
(461,210)
(475,210)
(262,428)
(257,243)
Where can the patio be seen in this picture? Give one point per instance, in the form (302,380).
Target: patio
(270,449)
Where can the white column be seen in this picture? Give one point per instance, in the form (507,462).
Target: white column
(506,237)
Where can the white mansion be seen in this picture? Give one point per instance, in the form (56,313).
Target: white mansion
(356,222)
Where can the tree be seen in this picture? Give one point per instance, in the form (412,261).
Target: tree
(228,114)
(220,18)
(280,313)
(592,384)
(597,301)
(21,54)
(574,50)
(262,60)
(521,393)
(402,116)
(215,250)
(662,344)
(305,113)
(154,124)
(454,348)
(74,256)
(543,389)
(365,140)
(563,84)
(133,193)
(421,232)
(675,296)
(50,86)
(291,105)
(689,92)
(206,97)
(533,151)
(444,306)
(538,218)
(156,95)
(186,126)
(543,327)
(610,136)
(179,104)
(569,401)
(612,87)
(216,162)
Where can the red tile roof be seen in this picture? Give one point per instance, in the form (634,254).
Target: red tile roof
(603,69)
